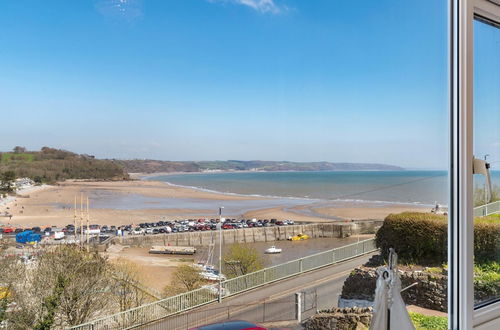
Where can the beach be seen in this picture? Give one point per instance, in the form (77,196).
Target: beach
(131,202)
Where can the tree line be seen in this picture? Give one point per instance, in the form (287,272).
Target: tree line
(50,165)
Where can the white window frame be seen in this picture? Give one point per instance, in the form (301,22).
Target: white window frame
(461,313)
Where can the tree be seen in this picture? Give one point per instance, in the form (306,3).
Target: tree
(127,290)
(185,278)
(480,196)
(19,150)
(6,181)
(64,286)
(242,259)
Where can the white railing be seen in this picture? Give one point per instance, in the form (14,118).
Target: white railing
(173,305)
(487,209)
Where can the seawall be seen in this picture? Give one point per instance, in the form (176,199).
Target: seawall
(252,235)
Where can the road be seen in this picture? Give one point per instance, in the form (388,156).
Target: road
(273,302)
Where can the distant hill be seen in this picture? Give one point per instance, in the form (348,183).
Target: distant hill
(51,165)
(155,166)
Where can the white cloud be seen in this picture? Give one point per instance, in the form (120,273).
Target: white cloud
(263,6)
(124,9)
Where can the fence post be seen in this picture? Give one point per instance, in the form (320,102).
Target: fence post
(298,306)
(264,311)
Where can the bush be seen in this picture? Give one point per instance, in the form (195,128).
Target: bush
(416,237)
(422,238)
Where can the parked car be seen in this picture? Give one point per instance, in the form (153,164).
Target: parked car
(138,231)
(230,325)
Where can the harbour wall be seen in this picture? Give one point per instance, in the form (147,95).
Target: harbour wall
(252,235)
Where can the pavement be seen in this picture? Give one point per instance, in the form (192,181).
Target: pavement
(274,302)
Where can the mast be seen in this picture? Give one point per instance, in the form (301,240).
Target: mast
(74,221)
(88,224)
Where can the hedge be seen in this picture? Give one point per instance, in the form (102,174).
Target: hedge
(421,238)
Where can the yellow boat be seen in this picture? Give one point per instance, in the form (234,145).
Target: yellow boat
(298,237)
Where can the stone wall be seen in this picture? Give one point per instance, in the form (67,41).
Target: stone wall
(340,319)
(430,291)
(251,235)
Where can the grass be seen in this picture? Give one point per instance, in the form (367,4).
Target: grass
(9,156)
(422,322)
(492,218)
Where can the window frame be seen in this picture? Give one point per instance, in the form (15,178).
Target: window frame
(461,311)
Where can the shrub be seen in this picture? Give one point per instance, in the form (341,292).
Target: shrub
(428,322)
(422,238)
(416,237)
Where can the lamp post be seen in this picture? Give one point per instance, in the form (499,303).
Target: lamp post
(220,253)
(486,190)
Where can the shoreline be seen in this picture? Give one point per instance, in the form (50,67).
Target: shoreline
(317,200)
(148,201)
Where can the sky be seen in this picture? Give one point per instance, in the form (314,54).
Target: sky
(322,80)
(486,95)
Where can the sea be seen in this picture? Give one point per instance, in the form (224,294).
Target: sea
(398,187)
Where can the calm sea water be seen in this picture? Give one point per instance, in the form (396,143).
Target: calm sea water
(423,187)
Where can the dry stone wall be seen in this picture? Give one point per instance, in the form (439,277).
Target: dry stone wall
(340,319)
(429,292)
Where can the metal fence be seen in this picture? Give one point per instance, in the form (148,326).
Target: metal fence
(487,209)
(264,311)
(177,304)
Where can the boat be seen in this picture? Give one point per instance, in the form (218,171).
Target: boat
(213,276)
(273,250)
(183,250)
(205,269)
(299,237)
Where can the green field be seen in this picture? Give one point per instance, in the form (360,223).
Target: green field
(10,156)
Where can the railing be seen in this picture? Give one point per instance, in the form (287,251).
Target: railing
(487,209)
(173,305)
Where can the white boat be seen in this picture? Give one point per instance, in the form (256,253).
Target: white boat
(273,250)
(213,276)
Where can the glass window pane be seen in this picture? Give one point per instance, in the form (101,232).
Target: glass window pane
(487,147)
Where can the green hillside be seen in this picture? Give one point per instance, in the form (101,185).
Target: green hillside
(51,165)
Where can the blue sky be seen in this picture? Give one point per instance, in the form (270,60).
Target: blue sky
(323,80)
(486,96)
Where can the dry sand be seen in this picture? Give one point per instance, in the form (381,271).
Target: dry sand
(41,209)
(155,270)
(368,211)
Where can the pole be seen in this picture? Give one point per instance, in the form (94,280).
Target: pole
(88,224)
(75,226)
(220,254)
(81,219)
(298,306)
(485,191)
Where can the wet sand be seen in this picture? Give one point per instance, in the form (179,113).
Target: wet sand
(156,270)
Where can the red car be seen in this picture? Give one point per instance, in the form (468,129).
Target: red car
(230,325)
(8,230)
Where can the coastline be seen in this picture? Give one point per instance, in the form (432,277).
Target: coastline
(54,205)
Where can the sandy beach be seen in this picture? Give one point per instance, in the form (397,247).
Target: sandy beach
(132,202)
